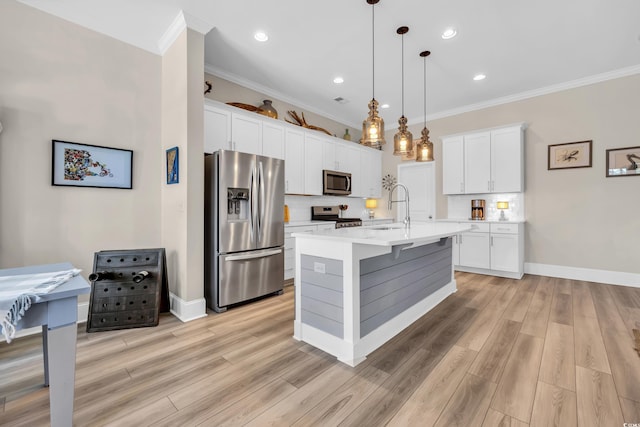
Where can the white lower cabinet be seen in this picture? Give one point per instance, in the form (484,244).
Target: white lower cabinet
(290,244)
(473,246)
(505,247)
(490,248)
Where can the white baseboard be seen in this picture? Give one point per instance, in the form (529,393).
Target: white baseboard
(187,310)
(587,274)
(83,312)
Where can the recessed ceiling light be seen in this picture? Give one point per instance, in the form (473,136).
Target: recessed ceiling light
(338,80)
(384,106)
(260,36)
(479,77)
(449,33)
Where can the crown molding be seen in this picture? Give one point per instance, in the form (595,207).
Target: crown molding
(181,22)
(171,33)
(197,24)
(249,84)
(598,78)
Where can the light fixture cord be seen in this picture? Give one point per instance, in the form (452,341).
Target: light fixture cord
(425,91)
(402,74)
(373,51)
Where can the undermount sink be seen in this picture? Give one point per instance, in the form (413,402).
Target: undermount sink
(385,228)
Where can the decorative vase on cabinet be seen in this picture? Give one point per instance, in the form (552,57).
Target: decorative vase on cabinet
(267,109)
(347,135)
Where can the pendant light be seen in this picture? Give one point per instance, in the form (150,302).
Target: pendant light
(403,140)
(424,148)
(373,126)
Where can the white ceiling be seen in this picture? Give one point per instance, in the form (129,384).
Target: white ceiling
(524,48)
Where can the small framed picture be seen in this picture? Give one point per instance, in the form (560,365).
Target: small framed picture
(84,165)
(623,161)
(173,172)
(570,155)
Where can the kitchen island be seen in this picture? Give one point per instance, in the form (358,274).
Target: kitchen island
(356,288)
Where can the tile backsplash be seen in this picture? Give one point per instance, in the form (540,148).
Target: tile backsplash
(460,206)
(300,206)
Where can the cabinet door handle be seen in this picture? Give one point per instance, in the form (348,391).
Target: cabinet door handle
(488,185)
(493,185)
(491,240)
(460,241)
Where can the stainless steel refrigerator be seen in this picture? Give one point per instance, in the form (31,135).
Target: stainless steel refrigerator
(244,227)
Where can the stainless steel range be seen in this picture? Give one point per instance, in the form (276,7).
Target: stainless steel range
(332,213)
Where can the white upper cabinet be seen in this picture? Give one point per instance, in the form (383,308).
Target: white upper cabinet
(370,182)
(227,129)
(453,165)
(348,157)
(477,163)
(246,134)
(329,160)
(313,148)
(489,161)
(306,152)
(273,140)
(294,162)
(339,156)
(507,160)
(217,129)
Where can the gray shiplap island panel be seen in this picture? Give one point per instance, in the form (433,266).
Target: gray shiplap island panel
(322,294)
(388,286)
(357,288)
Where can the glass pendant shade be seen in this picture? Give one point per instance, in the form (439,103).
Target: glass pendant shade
(373,127)
(424,148)
(403,139)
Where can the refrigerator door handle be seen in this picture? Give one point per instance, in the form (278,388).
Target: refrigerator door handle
(253,255)
(261,198)
(251,195)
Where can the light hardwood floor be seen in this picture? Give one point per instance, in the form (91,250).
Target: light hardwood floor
(533,352)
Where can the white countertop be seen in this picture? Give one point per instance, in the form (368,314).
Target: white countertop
(494,221)
(388,234)
(306,222)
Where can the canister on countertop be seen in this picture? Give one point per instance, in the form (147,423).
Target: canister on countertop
(286,213)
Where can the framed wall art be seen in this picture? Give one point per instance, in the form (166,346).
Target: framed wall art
(84,165)
(570,155)
(623,161)
(173,175)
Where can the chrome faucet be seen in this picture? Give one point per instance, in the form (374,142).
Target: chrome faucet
(407,220)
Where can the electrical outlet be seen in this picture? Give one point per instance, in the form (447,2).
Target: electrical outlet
(318,267)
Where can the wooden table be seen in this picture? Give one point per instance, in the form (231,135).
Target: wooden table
(57,313)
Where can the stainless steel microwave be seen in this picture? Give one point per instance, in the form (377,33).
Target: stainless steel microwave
(336,183)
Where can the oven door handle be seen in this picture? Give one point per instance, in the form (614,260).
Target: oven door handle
(254,255)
